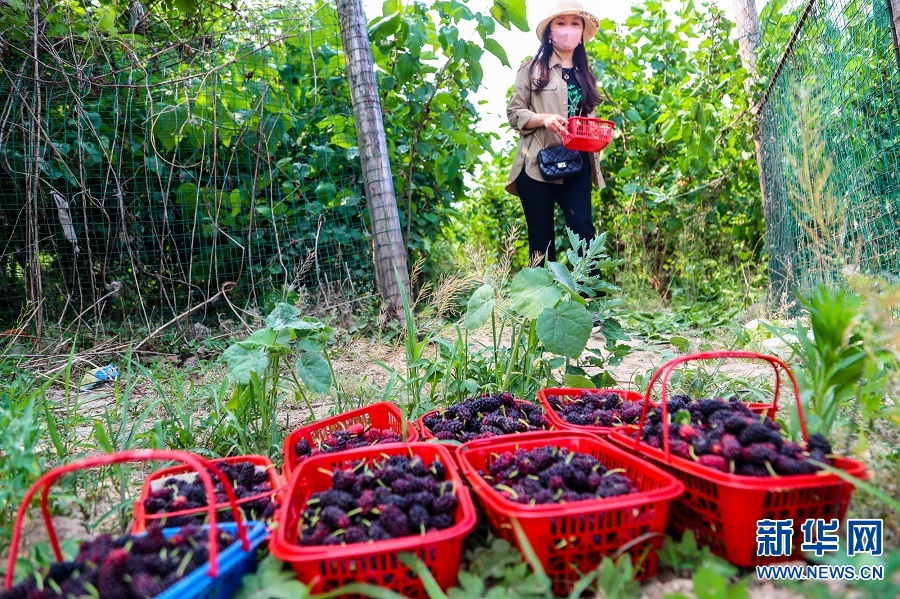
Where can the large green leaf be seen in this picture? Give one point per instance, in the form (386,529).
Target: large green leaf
(314,372)
(283,316)
(565,330)
(532,291)
(480,307)
(517,16)
(564,277)
(494,47)
(243,361)
(268,338)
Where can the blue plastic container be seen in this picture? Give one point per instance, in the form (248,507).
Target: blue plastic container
(234,564)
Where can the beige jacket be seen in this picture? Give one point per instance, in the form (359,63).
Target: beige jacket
(523,105)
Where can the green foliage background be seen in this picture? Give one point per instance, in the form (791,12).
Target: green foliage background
(195,144)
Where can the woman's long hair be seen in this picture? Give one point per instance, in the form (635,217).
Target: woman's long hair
(583,72)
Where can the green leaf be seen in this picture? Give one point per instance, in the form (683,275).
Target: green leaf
(565,330)
(186,6)
(314,371)
(242,362)
(283,316)
(407,67)
(517,16)
(107,19)
(577,381)
(384,27)
(473,585)
(532,291)
(564,277)
(494,47)
(612,331)
(709,584)
(682,417)
(268,338)
(102,438)
(680,343)
(480,307)
(271,581)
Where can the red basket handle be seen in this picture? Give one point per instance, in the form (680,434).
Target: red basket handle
(666,369)
(199,464)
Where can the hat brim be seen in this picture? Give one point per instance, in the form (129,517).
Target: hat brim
(591,23)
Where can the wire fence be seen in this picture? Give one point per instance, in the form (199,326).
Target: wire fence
(829,132)
(142,174)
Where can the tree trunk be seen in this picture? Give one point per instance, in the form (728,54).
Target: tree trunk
(747,21)
(390,253)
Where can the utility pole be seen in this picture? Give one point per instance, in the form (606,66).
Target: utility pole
(391,270)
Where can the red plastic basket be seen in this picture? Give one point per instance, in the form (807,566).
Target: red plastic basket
(722,509)
(425,433)
(142,519)
(383,415)
(571,539)
(326,568)
(567,395)
(588,134)
(191,461)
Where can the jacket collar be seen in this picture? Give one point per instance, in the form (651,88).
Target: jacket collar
(554,61)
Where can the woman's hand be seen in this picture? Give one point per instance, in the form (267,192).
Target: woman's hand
(556,123)
(553,122)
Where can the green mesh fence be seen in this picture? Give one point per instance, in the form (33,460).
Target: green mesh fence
(830,137)
(167,170)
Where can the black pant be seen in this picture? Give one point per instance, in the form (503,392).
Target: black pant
(539,199)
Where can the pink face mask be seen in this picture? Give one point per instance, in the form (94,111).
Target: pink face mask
(566,38)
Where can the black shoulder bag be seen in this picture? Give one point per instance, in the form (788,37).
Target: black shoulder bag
(558,162)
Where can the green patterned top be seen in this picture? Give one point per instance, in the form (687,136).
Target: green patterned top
(575,96)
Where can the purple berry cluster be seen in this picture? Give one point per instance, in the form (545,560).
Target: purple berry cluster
(380,500)
(136,567)
(727,436)
(596,409)
(247,481)
(553,475)
(486,416)
(354,436)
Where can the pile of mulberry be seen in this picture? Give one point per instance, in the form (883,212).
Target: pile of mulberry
(354,436)
(246,479)
(553,475)
(380,500)
(596,409)
(727,436)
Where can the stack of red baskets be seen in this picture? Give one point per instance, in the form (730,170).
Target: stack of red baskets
(142,519)
(383,415)
(571,539)
(329,567)
(722,509)
(226,569)
(567,395)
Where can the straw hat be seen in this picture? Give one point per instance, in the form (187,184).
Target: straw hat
(570,7)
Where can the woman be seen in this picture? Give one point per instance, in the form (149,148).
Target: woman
(556,84)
